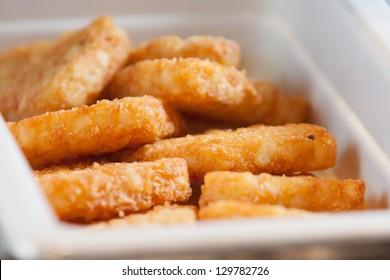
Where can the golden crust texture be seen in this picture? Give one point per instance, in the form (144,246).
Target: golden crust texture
(219,49)
(303,192)
(71,71)
(278,108)
(71,165)
(271,149)
(105,127)
(202,88)
(159,215)
(106,191)
(232,209)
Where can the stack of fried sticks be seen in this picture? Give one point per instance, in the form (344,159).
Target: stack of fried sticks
(93,116)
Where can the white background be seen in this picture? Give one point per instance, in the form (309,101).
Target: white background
(65,270)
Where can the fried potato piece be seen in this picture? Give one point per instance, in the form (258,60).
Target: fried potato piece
(219,49)
(106,191)
(303,192)
(271,149)
(201,88)
(68,72)
(105,127)
(159,215)
(232,209)
(278,108)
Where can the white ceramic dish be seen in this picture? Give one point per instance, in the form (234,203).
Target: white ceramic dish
(271,51)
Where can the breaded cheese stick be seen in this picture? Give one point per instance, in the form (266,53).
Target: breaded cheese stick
(159,215)
(202,88)
(303,192)
(271,149)
(232,209)
(278,108)
(107,126)
(219,49)
(106,191)
(68,72)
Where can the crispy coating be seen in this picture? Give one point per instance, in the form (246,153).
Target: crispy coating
(219,49)
(106,191)
(61,168)
(271,149)
(232,209)
(303,192)
(278,108)
(201,88)
(71,71)
(159,215)
(107,126)
(73,164)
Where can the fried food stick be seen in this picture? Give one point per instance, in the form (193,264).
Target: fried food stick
(303,192)
(161,215)
(107,126)
(219,49)
(106,191)
(232,209)
(68,72)
(201,88)
(271,149)
(278,108)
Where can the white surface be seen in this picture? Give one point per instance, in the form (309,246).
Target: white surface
(196,269)
(375,18)
(353,60)
(271,51)
(49,9)
(24,213)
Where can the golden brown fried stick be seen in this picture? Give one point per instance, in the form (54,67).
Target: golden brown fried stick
(167,214)
(303,192)
(52,75)
(232,209)
(278,108)
(106,191)
(219,49)
(272,149)
(199,87)
(107,126)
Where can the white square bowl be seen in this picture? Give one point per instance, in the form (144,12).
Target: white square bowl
(271,51)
